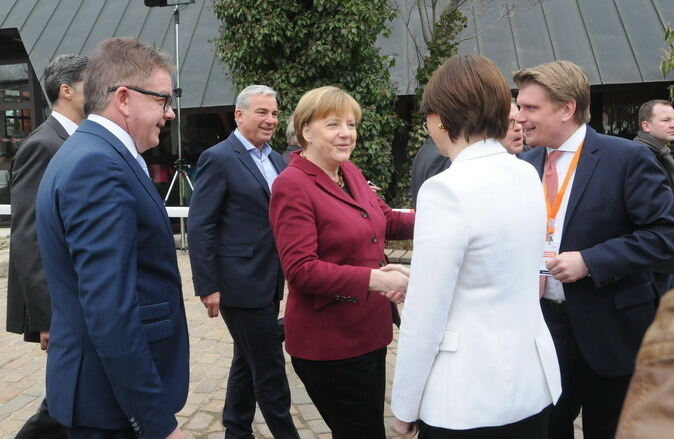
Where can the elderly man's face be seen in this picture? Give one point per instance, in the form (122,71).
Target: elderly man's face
(258,122)
(661,124)
(146,115)
(514,139)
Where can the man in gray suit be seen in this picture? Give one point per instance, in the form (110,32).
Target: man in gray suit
(28,305)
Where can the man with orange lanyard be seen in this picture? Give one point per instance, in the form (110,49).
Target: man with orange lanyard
(610,219)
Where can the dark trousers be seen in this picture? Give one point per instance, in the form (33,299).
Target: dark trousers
(41,426)
(533,427)
(349,393)
(257,374)
(601,398)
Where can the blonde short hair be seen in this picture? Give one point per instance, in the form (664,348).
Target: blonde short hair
(564,81)
(321,102)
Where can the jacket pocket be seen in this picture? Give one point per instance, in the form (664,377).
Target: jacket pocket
(154,311)
(159,330)
(323,301)
(237,251)
(633,296)
(450,341)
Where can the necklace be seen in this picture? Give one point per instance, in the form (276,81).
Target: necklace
(340,175)
(340,178)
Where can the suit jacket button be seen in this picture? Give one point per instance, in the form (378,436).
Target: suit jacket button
(363,214)
(374,239)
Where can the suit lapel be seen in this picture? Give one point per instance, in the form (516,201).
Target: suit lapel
(539,162)
(277,161)
(586,164)
(322,180)
(57,127)
(248,162)
(147,184)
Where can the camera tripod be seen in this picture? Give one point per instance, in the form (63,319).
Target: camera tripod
(180,175)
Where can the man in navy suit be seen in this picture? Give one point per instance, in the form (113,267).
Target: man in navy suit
(235,266)
(611,223)
(118,363)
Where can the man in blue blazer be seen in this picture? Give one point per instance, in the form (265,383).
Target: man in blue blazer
(235,267)
(118,362)
(611,223)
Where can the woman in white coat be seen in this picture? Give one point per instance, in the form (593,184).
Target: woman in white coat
(475,358)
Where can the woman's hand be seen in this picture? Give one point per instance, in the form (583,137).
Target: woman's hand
(392,283)
(405,429)
(396,296)
(396,267)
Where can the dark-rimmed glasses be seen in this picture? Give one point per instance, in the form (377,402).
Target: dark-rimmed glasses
(167,98)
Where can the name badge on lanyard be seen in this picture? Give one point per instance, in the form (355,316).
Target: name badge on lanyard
(550,250)
(551,247)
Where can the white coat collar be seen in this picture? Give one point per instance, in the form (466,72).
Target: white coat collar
(479,149)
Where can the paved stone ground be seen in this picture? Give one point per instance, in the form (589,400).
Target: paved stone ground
(22,375)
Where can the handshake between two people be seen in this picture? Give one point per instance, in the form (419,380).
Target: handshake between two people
(390,281)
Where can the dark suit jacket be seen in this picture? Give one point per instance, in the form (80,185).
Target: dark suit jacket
(427,163)
(231,245)
(118,352)
(329,242)
(28,308)
(620,217)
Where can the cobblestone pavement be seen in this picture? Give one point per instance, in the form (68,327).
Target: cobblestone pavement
(22,377)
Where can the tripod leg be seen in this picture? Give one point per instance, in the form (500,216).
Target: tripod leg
(187,177)
(173,181)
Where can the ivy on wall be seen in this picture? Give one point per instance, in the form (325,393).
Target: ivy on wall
(296,45)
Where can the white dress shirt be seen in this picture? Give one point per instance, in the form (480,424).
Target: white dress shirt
(66,123)
(553,288)
(123,137)
(260,157)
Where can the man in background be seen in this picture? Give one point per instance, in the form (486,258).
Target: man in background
(28,304)
(656,123)
(427,163)
(291,138)
(235,267)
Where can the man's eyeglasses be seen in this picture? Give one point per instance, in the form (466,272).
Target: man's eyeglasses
(167,98)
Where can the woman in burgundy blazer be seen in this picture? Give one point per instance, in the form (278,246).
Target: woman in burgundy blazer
(330,230)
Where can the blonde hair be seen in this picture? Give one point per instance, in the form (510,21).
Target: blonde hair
(564,81)
(321,102)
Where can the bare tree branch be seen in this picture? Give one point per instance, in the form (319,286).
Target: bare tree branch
(508,8)
(426,33)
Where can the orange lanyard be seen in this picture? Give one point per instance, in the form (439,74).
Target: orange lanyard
(552,210)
